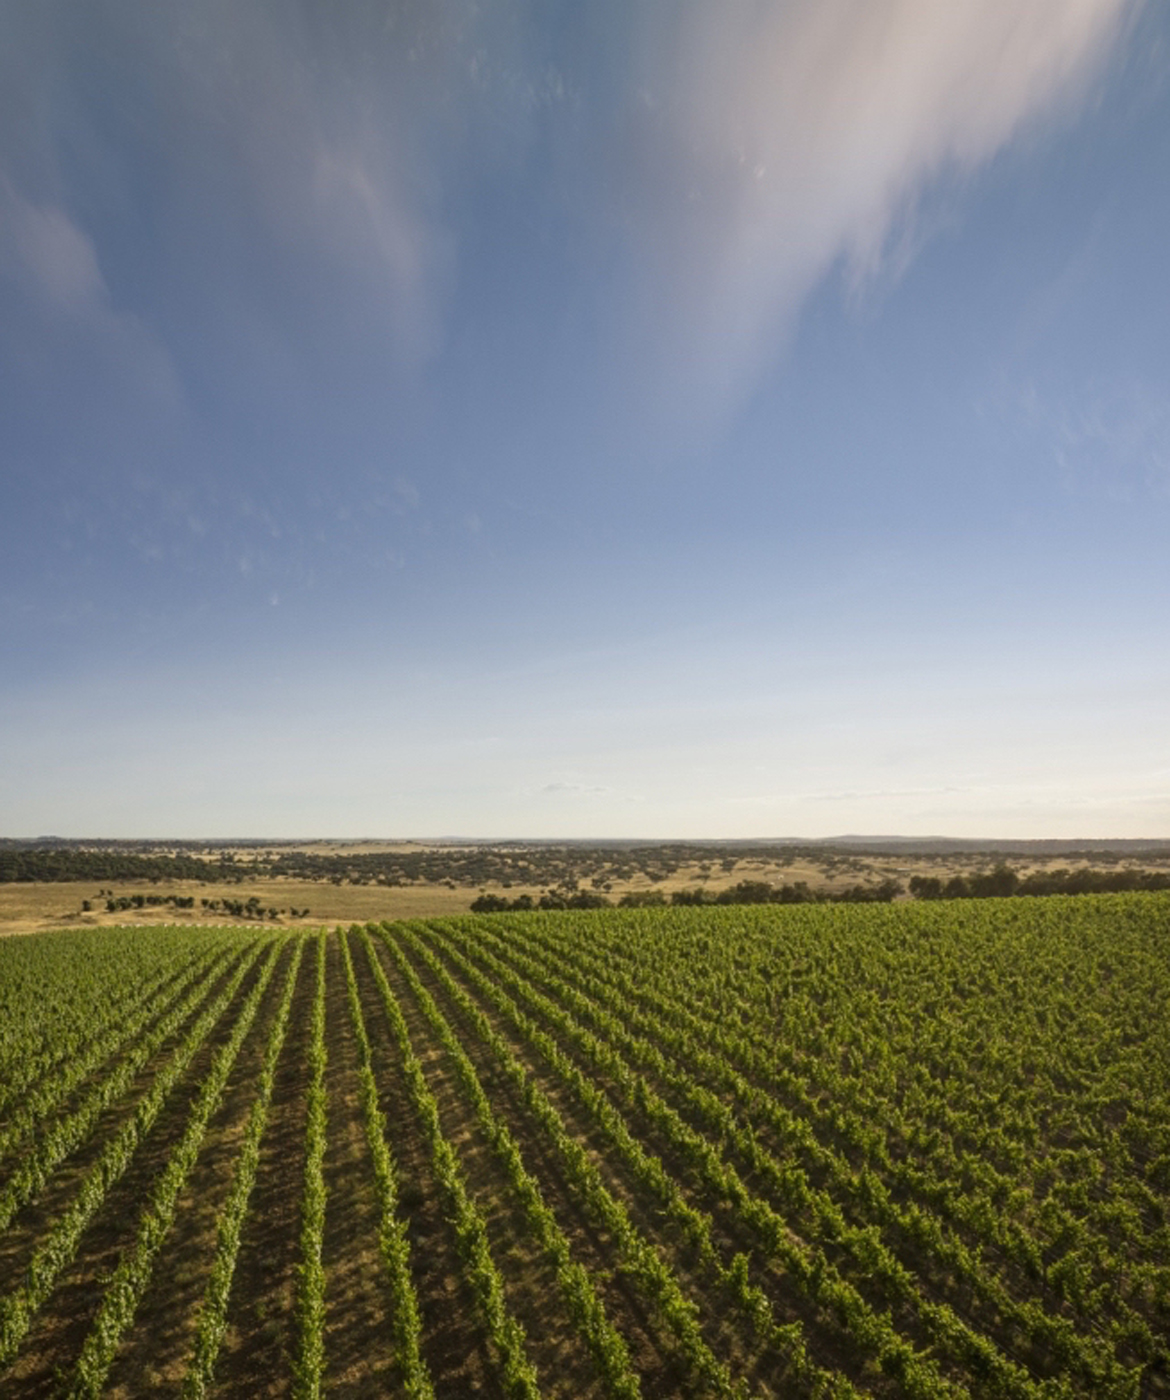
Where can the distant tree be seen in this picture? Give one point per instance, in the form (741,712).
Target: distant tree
(995,884)
(747,892)
(687,897)
(490,904)
(883,893)
(642,899)
(926,887)
(587,899)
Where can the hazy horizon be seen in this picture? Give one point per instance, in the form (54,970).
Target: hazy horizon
(875,843)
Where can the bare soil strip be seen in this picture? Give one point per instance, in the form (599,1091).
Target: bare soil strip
(828,1339)
(358,1355)
(653,1354)
(23,1123)
(455,1345)
(56,1336)
(564,1364)
(20,1241)
(154,1354)
(722,1330)
(256,1359)
(934,1282)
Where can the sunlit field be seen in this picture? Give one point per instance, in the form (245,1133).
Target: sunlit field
(912,1149)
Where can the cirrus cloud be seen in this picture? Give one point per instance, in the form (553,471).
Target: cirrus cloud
(770,142)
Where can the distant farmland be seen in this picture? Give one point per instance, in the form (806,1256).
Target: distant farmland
(919,1149)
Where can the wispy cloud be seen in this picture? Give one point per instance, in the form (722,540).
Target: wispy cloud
(52,265)
(774,141)
(1110,440)
(55,257)
(319,169)
(289,156)
(562,789)
(330,127)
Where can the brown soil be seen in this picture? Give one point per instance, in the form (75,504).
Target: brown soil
(161,998)
(156,1351)
(359,1357)
(652,1354)
(31,1225)
(726,1331)
(563,1363)
(53,1344)
(256,1358)
(455,1346)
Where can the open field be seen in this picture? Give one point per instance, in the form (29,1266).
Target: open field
(916,1149)
(29,908)
(343,882)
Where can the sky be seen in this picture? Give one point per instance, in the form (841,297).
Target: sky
(636,419)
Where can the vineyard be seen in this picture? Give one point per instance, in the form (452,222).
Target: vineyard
(893,1150)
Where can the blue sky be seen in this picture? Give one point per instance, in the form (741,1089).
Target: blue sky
(519,419)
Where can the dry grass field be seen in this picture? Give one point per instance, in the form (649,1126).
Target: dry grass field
(26,908)
(515,869)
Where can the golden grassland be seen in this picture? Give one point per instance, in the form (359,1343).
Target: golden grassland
(29,907)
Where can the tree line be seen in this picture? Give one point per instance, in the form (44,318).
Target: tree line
(1003,882)
(745,892)
(1000,883)
(250,908)
(57,865)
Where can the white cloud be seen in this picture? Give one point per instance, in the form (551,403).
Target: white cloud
(759,145)
(317,133)
(54,255)
(370,222)
(775,140)
(55,266)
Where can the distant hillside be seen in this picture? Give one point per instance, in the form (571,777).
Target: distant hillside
(871,845)
(946,845)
